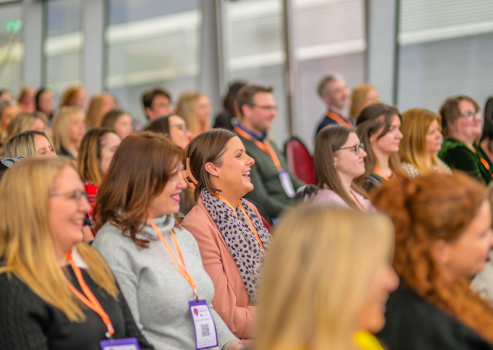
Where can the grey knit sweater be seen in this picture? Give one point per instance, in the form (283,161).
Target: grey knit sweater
(155,290)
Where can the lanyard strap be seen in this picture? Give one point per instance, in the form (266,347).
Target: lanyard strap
(339,120)
(264,146)
(484,162)
(381,174)
(246,216)
(89,299)
(181,267)
(359,203)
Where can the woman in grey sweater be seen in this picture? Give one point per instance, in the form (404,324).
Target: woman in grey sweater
(156,262)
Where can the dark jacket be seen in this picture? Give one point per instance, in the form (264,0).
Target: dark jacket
(413,323)
(328,121)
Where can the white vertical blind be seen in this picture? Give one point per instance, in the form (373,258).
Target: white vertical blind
(11,60)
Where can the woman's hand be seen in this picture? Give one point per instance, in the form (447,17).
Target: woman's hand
(236,346)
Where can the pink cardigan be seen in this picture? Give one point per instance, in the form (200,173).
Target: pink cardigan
(329,197)
(231,300)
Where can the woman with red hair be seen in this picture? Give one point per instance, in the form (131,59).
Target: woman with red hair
(443,237)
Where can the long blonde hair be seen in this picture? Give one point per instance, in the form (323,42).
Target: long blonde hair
(24,144)
(316,277)
(94,118)
(412,149)
(23,122)
(27,242)
(60,125)
(186,108)
(358,99)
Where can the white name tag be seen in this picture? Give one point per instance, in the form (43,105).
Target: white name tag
(286,183)
(205,328)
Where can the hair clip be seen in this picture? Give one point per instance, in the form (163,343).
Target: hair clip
(188,172)
(9,162)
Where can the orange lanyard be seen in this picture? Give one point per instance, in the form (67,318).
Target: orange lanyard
(339,120)
(484,162)
(356,199)
(381,174)
(89,299)
(246,216)
(181,267)
(265,146)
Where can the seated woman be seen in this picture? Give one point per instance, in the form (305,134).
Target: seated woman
(174,126)
(486,141)
(331,297)
(98,107)
(68,130)
(443,237)
(8,110)
(25,122)
(377,127)
(421,142)
(228,229)
(155,261)
(30,143)
(55,292)
(362,96)
(339,158)
(119,121)
(461,124)
(195,109)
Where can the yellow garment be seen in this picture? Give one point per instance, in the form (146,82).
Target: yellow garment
(367,341)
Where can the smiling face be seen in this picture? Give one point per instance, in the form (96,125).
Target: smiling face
(67,213)
(168,201)
(467,130)
(259,116)
(76,128)
(433,137)
(349,164)
(389,143)
(43,147)
(178,132)
(336,94)
(109,144)
(123,126)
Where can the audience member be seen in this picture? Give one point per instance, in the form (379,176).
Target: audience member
(26,99)
(486,141)
(443,237)
(95,154)
(7,163)
(195,109)
(6,95)
(325,279)
(8,110)
(26,121)
(98,107)
(333,90)
(362,96)
(74,96)
(461,124)
(228,118)
(44,102)
(421,142)
(30,143)
(47,276)
(228,229)
(274,186)
(378,128)
(174,126)
(339,158)
(68,130)
(118,121)
(157,103)
(162,285)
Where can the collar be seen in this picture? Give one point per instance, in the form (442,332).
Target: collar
(252,134)
(164,223)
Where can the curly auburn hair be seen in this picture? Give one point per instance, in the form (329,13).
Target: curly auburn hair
(425,209)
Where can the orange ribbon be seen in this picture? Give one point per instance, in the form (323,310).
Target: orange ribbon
(264,146)
(356,199)
(381,174)
(339,120)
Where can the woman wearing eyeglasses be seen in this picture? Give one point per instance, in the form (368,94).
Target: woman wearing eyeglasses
(339,158)
(378,127)
(174,126)
(462,125)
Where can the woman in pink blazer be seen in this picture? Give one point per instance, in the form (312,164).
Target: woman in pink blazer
(231,237)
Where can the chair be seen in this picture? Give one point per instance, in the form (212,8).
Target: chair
(299,160)
(305,193)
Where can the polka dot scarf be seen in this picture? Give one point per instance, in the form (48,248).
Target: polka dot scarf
(240,239)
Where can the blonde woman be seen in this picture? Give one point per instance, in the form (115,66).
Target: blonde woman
(362,96)
(26,121)
(30,143)
(47,276)
(8,110)
(421,141)
(195,109)
(98,107)
(68,130)
(74,96)
(326,291)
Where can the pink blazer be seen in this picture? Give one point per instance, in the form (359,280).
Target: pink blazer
(329,197)
(231,300)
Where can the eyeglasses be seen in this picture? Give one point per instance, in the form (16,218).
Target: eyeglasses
(75,194)
(471,115)
(355,148)
(182,127)
(265,108)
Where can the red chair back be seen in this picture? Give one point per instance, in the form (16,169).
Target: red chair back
(299,160)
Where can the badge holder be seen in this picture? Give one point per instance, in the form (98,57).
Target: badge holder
(286,183)
(205,328)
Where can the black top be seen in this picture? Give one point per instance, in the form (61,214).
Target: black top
(372,181)
(64,153)
(413,323)
(329,121)
(225,120)
(28,322)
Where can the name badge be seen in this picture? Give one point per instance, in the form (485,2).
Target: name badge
(286,183)
(205,328)
(120,344)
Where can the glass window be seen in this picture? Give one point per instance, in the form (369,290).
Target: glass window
(445,49)
(256,51)
(329,38)
(63,44)
(11,49)
(151,43)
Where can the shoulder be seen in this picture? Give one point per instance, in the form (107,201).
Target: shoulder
(17,299)
(110,241)
(327,196)
(451,146)
(410,169)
